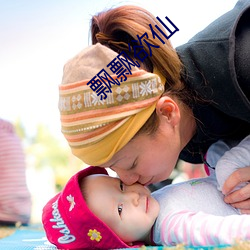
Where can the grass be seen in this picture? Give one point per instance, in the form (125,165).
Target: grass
(239,245)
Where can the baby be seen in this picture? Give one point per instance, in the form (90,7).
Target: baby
(96,211)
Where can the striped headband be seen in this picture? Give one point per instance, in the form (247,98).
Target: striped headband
(97,124)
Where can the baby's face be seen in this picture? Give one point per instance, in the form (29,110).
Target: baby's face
(130,211)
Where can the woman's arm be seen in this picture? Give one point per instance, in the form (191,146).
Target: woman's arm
(237,157)
(240,198)
(233,175)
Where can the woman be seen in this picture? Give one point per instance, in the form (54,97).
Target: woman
(205,96)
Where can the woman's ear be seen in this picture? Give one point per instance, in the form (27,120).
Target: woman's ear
(168,110)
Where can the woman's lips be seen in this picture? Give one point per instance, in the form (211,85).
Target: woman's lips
(148,183)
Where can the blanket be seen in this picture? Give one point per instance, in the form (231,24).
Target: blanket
(33,238)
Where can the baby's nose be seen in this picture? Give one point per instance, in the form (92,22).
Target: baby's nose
(133,197)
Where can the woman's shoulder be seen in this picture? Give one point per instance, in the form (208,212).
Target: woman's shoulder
(209,65)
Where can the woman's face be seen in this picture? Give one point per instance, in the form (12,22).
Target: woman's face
(147,159)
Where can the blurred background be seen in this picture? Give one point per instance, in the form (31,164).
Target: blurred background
(36,40)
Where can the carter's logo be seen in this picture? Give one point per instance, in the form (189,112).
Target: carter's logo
(67,237)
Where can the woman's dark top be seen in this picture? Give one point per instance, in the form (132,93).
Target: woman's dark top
(217,67)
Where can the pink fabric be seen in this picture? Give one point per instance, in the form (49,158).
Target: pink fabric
(201,229)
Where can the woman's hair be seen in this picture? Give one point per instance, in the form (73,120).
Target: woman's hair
(116,28)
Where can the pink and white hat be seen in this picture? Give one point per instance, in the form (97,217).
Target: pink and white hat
(69,223)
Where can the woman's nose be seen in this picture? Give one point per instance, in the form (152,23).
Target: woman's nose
(126,177)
